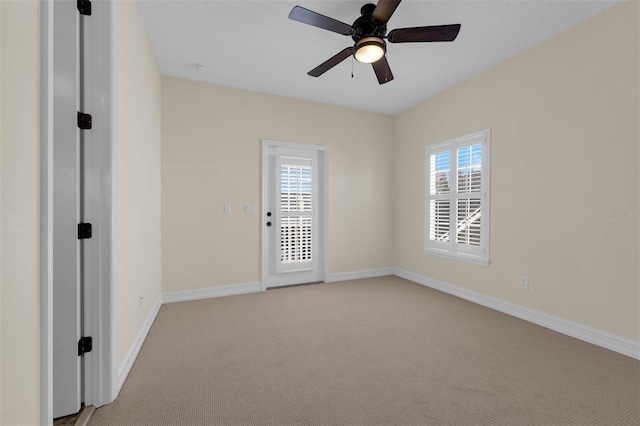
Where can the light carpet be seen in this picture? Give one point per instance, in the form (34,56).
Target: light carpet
(381,351)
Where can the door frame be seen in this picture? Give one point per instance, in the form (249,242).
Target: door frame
(100,379)
(322,211)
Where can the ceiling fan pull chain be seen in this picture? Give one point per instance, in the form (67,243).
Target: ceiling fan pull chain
(351,66)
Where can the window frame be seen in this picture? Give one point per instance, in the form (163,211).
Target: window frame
(451,249)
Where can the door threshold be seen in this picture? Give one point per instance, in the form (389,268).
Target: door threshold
(85,416)
(294,285)
(81,418)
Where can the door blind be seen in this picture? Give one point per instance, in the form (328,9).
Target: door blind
(296,211)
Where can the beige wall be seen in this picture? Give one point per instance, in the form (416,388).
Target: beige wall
(19,217)
(211,156)
(1,49)
(564,120)
(138,176)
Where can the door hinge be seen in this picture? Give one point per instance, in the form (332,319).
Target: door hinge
(84,7)
(84,231)
(84,121)
(85,344)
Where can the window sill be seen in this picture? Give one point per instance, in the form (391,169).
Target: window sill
(456,256)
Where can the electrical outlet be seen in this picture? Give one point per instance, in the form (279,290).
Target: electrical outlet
(524,282)
(361,255)
(249,208)
(140,303)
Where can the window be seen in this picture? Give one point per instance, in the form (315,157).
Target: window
(457,198)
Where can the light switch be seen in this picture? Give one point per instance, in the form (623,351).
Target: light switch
(227,208)
(249,208)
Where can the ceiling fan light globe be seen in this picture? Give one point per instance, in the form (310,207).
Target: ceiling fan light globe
(369,50)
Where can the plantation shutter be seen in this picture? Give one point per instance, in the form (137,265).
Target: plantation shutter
(468,197)
(439,199)
(295,213)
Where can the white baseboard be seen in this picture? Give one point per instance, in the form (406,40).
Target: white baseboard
(357,275)
(132,353)
(207,293)
(606,340)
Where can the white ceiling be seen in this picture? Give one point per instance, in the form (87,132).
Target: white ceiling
(253,45)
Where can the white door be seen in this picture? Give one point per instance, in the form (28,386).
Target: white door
(293,212)
(66,212)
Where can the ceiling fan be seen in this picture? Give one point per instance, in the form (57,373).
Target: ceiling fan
(369,32)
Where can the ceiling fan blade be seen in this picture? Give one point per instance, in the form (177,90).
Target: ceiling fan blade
(383,72)
(310,17)
(331,62)
(385,9)
(424,34)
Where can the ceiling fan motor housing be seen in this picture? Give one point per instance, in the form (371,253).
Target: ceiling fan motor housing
(366,26)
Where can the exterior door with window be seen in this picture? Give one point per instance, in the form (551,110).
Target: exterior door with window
(292,221)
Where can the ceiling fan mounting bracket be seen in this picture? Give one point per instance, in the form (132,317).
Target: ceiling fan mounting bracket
(367,9)
(366,26)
